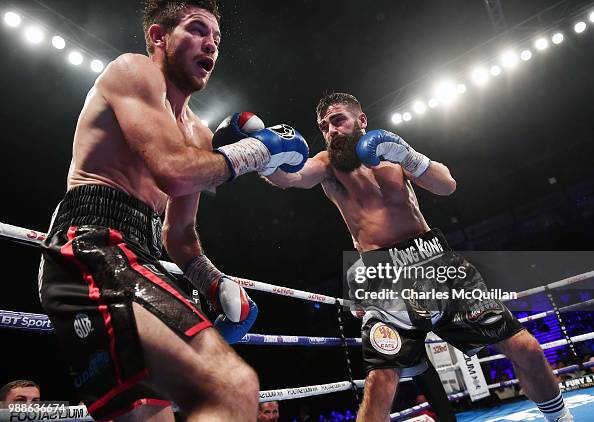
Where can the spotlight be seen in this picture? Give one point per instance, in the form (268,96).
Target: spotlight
(445,91)
(495,70)
(419,107)
(591,17)
(34,35)
(479,75)
(58,42)
(526,55)
(433,103)
(557,38)
(396,118)
(509,59)
(541,44)
(97,66)
(75,58)
(461,88)
(12,19)
(406,116)
(579,27)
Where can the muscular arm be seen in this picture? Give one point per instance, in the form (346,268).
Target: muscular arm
(436,179)
(314,172)
(135,89)
(179,229)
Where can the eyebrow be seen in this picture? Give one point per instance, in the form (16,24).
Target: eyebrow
(201,19)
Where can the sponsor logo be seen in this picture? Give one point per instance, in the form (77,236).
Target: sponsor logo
(283,291)
(82,325)
(245,282)
(317,340)
(485,312)
(422,249)
(385,339)
(284,131)
(97,363)
(36,236)
(317,298)
(440,348)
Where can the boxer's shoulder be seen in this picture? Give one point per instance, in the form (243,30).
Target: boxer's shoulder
(131,73)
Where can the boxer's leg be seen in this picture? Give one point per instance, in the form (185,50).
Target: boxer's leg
(535,374)
(431,386)
(148,413)
(205,377)
(380,388)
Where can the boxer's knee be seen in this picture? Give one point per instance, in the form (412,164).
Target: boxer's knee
(522,349)
(380,388)
(247,385)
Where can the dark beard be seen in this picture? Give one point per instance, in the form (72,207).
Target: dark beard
(342,153)
(176,74)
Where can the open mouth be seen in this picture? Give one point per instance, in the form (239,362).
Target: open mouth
(206,63)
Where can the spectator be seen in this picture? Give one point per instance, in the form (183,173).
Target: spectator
(268,411)
(19,391)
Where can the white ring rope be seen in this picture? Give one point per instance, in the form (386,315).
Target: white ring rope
(32,237)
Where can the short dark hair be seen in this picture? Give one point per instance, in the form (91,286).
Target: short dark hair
(167,14)
(336,98)
(15,384)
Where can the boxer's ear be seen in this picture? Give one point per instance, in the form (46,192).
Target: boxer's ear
(157,35)
(362,119)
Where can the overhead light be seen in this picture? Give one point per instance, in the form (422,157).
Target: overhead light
(495,70)
(526,55)
(541,43)
(433,103)
(445,91)
(34,34)
(406,116)
(97,66)
(396,118)
(12,19)
(75,58)
(509,59)
(419,107)
(579,27)
(58,42)
(461,88)
(479,75)
(557,38)
(591,17)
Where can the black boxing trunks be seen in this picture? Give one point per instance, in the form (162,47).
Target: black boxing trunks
(469,323)
(99,257)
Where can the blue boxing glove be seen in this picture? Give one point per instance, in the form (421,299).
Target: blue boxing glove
(288,149)
(231,331)
(381,145)
(266,150)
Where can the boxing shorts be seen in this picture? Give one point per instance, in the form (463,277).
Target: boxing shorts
(100,256)
(394,330)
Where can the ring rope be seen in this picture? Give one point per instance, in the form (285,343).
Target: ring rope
(34,238)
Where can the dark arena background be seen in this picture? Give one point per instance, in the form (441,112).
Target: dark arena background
(519,143)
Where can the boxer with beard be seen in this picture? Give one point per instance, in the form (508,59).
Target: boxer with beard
(341,150)
(379,206)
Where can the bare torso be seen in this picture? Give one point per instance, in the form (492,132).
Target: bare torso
(101,154)
(378,205)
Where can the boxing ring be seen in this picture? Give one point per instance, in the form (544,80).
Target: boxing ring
(579,400)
